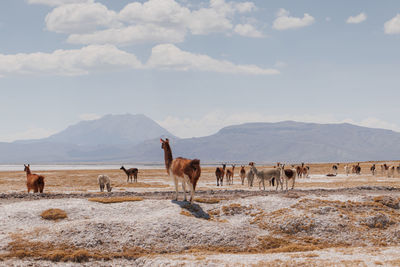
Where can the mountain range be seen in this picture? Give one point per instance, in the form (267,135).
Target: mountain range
(135,139)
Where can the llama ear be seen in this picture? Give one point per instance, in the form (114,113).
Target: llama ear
(29,165)
(167,140)
(161,141)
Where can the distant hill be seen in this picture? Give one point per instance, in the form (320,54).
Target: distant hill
(110,130)
(287,142)
(135,138)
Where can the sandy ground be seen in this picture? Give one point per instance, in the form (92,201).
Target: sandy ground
(340,221)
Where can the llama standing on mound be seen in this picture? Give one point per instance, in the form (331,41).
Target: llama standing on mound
(33,181)
(104,180)
(186,171)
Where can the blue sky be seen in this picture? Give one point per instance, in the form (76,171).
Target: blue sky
(196,66)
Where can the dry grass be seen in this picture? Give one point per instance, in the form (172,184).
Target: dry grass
(141,185)
(110,200)
(207,200)
(22,248)
(53,214)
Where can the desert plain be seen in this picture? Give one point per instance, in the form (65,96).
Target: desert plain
(344,220)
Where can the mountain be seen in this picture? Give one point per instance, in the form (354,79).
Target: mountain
(109,130)
(106,139)
(287,142)
(135,138)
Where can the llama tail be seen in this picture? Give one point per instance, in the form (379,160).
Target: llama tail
(195,165)
(40,183)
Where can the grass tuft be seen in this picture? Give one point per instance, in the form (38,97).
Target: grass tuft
(114,199)
(53,214)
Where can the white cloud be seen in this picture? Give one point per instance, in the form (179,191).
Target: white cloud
(31,133)
(209,20)
(108,58)
(68,62)
(58,2)
(248,30)
(284,21)
(155,11)
(89,116)
(144,33)
(212,122)
(393,26)
(154,21)
(79,18)
(357,19)
(170,57)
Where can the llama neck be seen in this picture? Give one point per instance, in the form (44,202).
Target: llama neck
(123,168)
(254,170)
(167,156)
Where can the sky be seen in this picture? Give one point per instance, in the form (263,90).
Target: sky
(197,66)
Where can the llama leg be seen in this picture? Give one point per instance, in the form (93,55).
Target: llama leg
(176,187)
(184,190)
(191,192)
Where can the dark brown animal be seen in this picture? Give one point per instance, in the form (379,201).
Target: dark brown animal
(132,172)
(288,174)
(220,173)
(180,169)
(33,181)
(373,169)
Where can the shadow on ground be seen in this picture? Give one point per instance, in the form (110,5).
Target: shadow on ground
(194,209)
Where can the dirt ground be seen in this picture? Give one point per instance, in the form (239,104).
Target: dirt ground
(336,221)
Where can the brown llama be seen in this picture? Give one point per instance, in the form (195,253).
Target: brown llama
(186,171)
(242,174)
(129,173)
(33,181)
(220,173)
(230,174)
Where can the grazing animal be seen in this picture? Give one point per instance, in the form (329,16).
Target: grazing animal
(347,170)
(267,175)
(230,174)
(104,180)
(242,174)
(186,171)
(398,169)
(33,181)
(373,169)
(288,174)
(129,173)
(219,173)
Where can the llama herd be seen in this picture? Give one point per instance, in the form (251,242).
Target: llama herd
(278,174)
(35,182)
(188,171)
